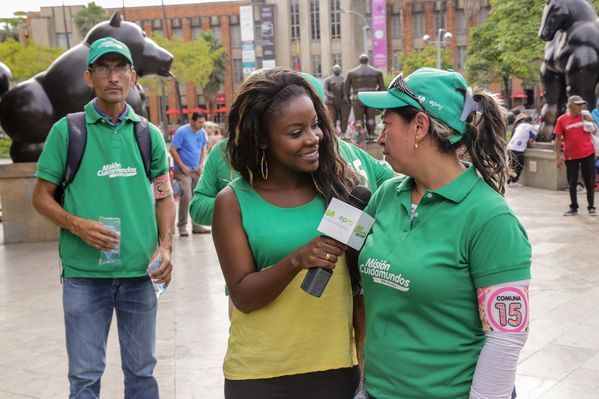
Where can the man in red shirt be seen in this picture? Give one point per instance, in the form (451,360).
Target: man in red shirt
(574,129)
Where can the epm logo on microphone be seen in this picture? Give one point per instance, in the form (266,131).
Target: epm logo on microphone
(344,221)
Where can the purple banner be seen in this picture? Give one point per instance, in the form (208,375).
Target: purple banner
(379,34)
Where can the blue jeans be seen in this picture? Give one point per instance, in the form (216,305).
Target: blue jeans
(88,306)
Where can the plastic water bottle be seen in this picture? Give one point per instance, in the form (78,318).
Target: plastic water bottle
(153,266)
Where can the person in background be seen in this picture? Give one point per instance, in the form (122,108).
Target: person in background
(574,130)
(446,268)
(217,173)
(214,137)
(283,343)
(110,182)
(523,134)
(188,149)
(360,136)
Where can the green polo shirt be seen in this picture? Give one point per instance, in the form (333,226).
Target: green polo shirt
(110,182)
(217,174)
(420,275)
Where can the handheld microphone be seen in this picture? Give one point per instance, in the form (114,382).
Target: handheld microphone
(346,223)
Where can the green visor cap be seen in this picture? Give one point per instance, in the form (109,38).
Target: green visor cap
(108,45)
(316,84)
(440,93)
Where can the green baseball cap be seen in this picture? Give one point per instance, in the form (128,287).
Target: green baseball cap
(108,45)
(315,83)
(440,93)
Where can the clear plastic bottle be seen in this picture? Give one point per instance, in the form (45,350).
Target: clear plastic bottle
(153,266)
(114,255)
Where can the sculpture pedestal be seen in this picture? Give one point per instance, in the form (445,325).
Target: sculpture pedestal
(540,170)
(20,221)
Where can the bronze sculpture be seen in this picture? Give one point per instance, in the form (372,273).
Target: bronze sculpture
(337,103)
(571,60)
(28,111)
(363,78)
(5,78)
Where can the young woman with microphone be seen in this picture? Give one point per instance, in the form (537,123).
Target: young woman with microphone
(284,343)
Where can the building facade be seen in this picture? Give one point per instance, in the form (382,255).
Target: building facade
(307,35)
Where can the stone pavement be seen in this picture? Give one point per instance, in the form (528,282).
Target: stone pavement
(560,360)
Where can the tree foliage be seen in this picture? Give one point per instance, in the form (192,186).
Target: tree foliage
(219,59)
(506,46)
(201,62)
(89,16)
(26,60)
(191,60)
(9,27)
(427,57)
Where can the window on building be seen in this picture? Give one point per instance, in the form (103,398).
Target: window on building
(315,19)
(176,28)
(461,27)
(482,15)
(216,32)
(237,71)
(418,25)
(200,99)
(395,27)
(61,40)
(461,57)
(316,65)
(157,27)
(183,95)
(336,57)
(294,21)
(235,36)
(335,20)
(195,25)
(439,20)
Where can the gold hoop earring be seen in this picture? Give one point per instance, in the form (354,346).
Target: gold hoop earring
(264,165)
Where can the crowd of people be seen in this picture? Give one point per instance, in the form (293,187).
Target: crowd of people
(435,304)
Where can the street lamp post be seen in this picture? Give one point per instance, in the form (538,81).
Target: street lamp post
(365,26)
(443,39)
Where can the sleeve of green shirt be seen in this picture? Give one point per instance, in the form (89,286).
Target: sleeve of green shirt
(52,162)
(500,252)
(382,171)
(210,184)
(159,164)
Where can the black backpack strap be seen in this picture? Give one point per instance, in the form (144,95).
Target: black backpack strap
(75,148)
(77,142)
(144,143)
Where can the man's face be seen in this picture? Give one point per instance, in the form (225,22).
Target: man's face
(197,124)
(575,109)
(111,77)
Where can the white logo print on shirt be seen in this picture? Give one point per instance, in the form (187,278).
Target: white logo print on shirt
(115,170)
(379,270)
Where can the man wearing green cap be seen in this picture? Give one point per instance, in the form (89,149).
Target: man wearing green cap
(103,269)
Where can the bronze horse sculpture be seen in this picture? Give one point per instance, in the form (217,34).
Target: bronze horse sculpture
(571,61)
(28,110)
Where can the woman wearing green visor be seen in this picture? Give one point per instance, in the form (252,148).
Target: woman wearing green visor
(446,269)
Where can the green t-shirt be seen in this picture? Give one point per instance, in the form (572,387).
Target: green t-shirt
(295,333)
(110,182)
(420,275)
(217,174)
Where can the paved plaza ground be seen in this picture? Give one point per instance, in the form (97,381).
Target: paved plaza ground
(560,360)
